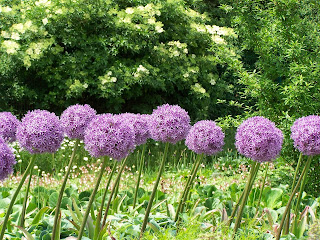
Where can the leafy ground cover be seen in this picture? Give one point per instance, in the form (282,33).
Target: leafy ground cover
(218,185)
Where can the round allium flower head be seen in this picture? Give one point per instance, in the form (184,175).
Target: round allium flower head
(259,139)
(40,131)
(169,123)
(205,137)
(305,133)
(108,135)
(75,120)
(7,160)
(140,126)
(8,126)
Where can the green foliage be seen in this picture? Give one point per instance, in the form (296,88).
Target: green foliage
(117,56)
(281,43)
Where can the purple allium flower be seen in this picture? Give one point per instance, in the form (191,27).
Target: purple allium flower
(75,120)
(259,139)
(7,160)
(169,123)
(205,137)
(8,126)
(40,131)
(108,135)
(305,133)
(140,126)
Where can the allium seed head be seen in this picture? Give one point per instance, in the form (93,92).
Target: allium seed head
(169,123)
(259,139)
(108,135)
(75,120)
(305,133)
(140,126)
(40,132)
(7,160)
(8,126)
(205,137)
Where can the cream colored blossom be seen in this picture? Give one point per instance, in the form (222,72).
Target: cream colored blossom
(10,46)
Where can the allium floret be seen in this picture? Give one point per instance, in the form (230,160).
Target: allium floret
(259,139)
(40,131)
(8,126)
(169,123)
(75,120)
(108,135)
(305,133)
(205,137)
(7,160)
(139,123)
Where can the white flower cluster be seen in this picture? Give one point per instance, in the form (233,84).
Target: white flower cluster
(107,78)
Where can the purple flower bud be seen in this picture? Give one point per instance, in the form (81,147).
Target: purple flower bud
(8,126)
(305,133)
(75,120)
(205,137)
(169,123)
(140,126)
(40,131)
(259,139)
(7,160)
(108,135)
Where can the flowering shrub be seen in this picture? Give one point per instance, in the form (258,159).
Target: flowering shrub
(169,123)
(259,139)
(40,131)
(112,52)
(8,126)
(205,137)
(75,120)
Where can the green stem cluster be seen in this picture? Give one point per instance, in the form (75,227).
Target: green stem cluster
(188,185)
(24,176)
(302,177)
(146,216)
(57,211)
(253,174)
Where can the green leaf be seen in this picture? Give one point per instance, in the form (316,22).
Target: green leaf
(27,235)
(272,198)
(39,215)
(53,199)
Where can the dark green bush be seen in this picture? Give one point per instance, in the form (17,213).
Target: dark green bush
(118,56)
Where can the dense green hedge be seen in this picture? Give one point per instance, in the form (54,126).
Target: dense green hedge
(118,56)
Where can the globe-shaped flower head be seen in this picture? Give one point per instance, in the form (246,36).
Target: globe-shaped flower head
(169,123)
(205,137)
(108,135)
(40,131)
(8,126)
(140,126)
(7,160)
(305,133)
(259,139)
(75,120)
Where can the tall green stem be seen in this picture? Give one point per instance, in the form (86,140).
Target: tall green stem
(146,216)
(113,191)
(85,217)
(304,172)
(234,211)
(253,174)
(296,210)
(24,176)
(24,207)
(262,186)
(287,224)
(98,227)
(188,186)
(139,175)
(57,211)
